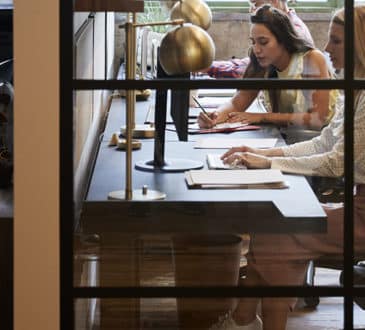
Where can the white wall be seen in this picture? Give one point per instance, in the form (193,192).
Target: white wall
(90,106)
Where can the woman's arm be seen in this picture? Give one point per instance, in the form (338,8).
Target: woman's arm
(239,102)
(315,116)
(324,164)
(315,67)
(308,120)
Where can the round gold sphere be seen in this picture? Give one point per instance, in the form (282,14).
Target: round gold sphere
(186,48)
(196,12)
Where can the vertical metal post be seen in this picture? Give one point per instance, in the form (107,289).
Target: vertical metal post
(130,102)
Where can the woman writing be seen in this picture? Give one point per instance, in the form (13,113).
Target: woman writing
(278,52)
(282,259)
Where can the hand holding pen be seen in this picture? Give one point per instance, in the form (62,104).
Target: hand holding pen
(206,119)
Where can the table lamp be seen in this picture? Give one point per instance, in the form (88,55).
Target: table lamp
(176,60)
(183,50)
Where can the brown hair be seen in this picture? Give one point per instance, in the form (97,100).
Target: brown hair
(279,24)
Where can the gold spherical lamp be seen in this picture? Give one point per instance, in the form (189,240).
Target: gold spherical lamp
(196,12)
(186,48)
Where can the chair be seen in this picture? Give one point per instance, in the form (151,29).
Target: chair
(327,262)
(359,279)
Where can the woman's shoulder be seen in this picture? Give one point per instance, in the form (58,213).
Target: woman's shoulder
(314,55)
(314,63)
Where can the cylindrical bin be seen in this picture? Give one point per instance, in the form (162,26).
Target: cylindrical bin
(205,260)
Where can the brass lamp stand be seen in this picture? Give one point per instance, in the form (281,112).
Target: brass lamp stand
(144,193)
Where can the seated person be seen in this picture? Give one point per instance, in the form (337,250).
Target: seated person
(235,68)
(285,261)
(278,52)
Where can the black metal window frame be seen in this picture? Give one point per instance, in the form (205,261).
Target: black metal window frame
(68,85)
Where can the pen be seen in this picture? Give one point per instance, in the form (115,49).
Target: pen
(200,106)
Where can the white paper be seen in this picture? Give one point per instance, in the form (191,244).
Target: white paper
(195,126)
(211,102)
(216,92)
(222,143)
(211,177)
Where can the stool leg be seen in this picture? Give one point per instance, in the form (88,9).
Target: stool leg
(311,302)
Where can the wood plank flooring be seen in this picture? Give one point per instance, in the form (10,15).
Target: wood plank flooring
(156,268)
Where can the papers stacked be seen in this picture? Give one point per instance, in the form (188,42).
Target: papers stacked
(245,179)
(221,128)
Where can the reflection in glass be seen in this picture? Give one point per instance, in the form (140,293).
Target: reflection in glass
(163,313)
(359,313)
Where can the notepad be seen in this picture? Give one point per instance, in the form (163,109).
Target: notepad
(215,162)
(246,179)
(216,92)
(219,143)
(195,126)
(221,128)
(213,102)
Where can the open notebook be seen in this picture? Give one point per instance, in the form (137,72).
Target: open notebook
(244,179)
(221,128)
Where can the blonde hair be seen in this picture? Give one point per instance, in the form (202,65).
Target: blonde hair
(359,40)
(359,37)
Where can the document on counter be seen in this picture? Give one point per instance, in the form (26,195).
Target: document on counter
(221,128)
(249,179)
(217,92)
(220,143)
(213,102)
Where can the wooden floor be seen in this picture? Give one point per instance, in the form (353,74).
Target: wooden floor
(156,268)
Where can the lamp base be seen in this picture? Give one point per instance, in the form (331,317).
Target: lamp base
(143,131)
(137,195)
(170,165)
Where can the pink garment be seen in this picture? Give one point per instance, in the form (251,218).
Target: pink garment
(300,27)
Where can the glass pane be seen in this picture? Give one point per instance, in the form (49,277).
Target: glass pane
(109,175)
(197,233)
(359,191)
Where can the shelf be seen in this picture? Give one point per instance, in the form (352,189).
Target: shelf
(128,6)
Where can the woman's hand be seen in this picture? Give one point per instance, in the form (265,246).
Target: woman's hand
(262,152)
(248,159)
(245,117)
(207,121)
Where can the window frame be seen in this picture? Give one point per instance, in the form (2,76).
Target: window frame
(68,85)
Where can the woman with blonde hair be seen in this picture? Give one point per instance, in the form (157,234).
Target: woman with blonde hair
(282,259)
